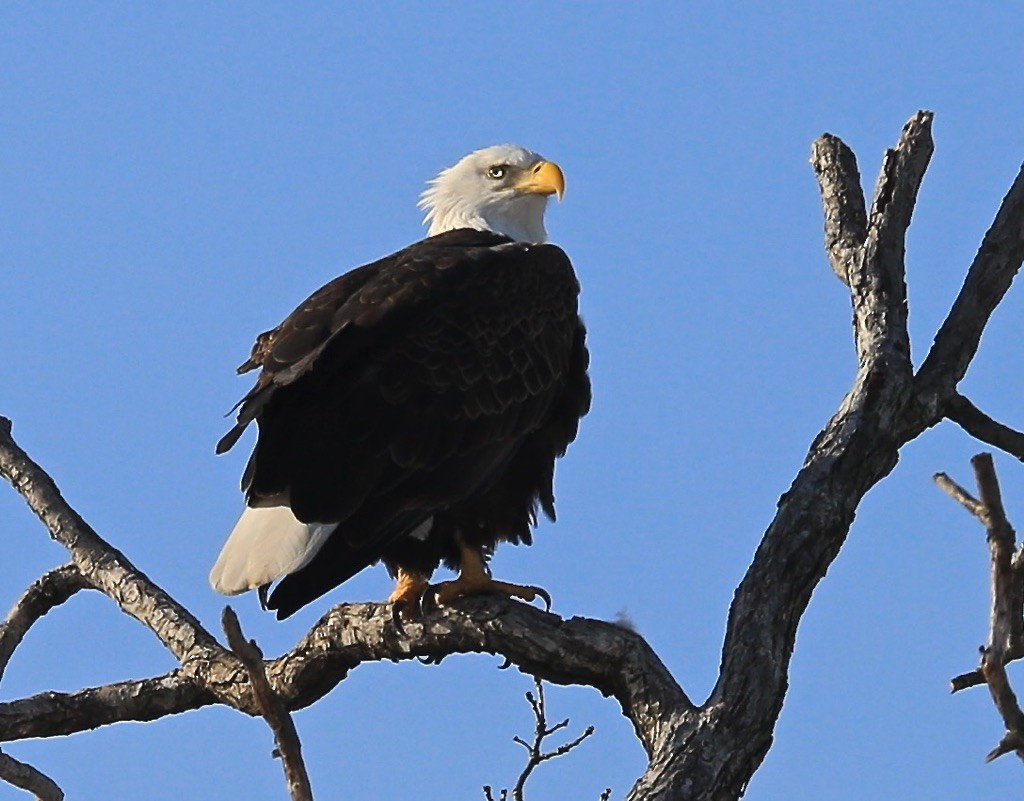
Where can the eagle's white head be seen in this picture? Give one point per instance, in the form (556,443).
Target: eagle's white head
(504,189)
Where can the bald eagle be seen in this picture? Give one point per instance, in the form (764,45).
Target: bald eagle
(411,410)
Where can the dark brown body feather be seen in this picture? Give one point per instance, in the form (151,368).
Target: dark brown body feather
(439,383)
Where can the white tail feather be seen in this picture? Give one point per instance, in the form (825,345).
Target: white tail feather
(266,544)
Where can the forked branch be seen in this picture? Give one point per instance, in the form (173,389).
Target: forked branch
(1006,620)
(534,749)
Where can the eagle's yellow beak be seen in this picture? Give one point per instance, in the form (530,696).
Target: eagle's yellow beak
(543,178)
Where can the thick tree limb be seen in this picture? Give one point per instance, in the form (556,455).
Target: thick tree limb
(28,778)
(50,590)
(982,427)
(719,747)
(53,714)
(577,651)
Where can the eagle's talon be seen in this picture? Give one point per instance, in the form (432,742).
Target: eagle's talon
(428,603)
(396,617)
(407,599)
(403,612)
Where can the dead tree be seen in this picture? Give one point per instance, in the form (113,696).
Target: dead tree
(705,750)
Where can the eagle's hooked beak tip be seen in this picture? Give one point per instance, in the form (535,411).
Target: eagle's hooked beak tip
(545,178)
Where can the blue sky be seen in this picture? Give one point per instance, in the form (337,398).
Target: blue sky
(177,177)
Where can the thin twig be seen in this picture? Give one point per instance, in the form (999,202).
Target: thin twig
(272,708)
(28,778)
(541,730)
(536,756)
(959,494)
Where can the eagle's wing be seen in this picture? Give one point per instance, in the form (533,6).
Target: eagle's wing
(410,379)
(361,297)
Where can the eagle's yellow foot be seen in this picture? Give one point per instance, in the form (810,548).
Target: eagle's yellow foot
(407,596)
(475,579)
(448,591)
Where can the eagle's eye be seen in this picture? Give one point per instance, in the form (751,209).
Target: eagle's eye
(497,172)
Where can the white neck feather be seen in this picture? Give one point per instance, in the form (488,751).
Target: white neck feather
(520,217)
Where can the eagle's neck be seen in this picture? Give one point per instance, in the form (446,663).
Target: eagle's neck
(520,217)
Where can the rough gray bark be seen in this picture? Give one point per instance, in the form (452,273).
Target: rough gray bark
(707,751)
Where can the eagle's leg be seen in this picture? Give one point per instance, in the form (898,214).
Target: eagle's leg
(408,593)
(475,579)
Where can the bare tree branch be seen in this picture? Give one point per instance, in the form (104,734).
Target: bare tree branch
(1006,620)
(877,280)
(959,494)
(50,590)
(988,279)
(602,655)
(52,714)
(534,750)
(994,671)
(540,732)
(28,778)
(842,200)
(982,427)
(271,707)
(103,566)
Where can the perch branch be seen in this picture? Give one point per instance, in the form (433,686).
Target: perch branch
(273,710)
(50,590)
(602,655)
(28,778)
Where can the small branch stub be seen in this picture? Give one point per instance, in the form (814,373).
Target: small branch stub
(272,708)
